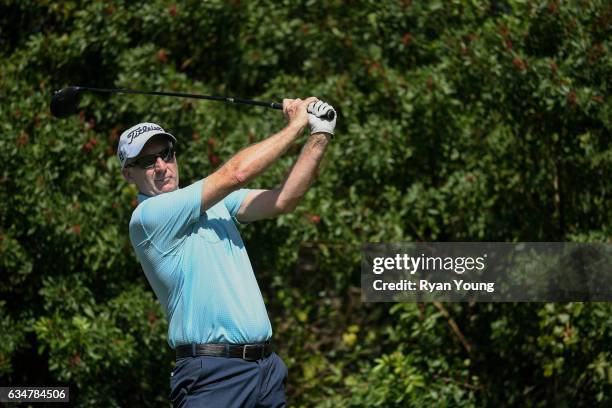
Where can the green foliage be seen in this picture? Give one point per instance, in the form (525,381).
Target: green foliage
(459,120)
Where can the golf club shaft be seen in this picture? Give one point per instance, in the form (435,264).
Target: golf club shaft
(273,105)
(65,102)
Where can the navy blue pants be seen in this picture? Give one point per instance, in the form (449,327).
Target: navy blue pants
(228,382)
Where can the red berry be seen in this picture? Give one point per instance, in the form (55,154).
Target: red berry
(406,38)
(519,63)
(74,360)
(162,56)
(22,139)
(114,135)
(430,83)
(152,317)
(314,218)
(214,159)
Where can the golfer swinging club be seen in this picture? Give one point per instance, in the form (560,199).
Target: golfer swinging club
(193,256)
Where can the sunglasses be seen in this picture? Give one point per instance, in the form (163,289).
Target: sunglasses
(148,161)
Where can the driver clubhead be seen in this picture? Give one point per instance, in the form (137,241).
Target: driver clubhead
(65,102)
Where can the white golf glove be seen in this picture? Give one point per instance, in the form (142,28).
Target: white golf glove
(317,123)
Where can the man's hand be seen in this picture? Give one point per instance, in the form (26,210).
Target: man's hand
(317,123)
(295,111)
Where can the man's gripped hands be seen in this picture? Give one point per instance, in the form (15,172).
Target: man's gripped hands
(295,111)
(309,111)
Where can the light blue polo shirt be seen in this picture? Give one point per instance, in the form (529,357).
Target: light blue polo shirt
(199,268)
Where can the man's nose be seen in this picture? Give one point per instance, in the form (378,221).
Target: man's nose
(160,164)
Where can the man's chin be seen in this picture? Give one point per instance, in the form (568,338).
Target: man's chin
(168,186)
(165,187)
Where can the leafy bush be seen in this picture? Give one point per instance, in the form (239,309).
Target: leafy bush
(475,121)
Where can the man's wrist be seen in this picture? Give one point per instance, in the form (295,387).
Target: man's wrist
(322,136)
(320,139)
(295,129)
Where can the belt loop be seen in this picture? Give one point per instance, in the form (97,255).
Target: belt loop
(193,349)
(227,352)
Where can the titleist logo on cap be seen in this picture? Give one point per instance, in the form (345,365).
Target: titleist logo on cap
(140,130)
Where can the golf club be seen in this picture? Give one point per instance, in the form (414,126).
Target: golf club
(65,101)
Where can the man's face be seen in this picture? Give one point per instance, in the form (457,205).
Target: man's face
(162,177)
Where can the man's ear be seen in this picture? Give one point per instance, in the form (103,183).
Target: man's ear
(128,176)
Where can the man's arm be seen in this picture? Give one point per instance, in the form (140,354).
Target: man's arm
(260,204)
(253,160)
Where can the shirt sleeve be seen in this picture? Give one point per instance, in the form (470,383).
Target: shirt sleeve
(166,219)
(234,200)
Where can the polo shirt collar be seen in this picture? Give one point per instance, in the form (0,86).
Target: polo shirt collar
(142,197)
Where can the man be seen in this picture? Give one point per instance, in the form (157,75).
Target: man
(193,256)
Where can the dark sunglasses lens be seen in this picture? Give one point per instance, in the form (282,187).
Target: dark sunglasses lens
(147,162)
(168,153)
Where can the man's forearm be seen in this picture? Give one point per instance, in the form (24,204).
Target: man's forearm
(304,171)
(253,160)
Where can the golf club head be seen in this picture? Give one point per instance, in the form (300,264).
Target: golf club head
(65,102)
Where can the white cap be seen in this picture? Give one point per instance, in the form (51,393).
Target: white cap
(133,140)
